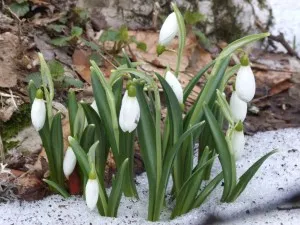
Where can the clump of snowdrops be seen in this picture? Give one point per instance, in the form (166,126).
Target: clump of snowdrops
(114,120)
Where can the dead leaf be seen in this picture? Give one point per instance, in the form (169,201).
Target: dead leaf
(280,87)
(81,64)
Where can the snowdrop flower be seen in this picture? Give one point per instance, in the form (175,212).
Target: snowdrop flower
(69,162)
(238,141)
(238,107)
(175,85)
(245,81)
(167,32)
(130,110)
(38,111)
(94,106)
(92,190)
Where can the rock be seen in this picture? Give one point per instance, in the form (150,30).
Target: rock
(224,19)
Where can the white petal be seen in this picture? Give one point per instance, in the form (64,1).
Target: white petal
(238,108)
(238,143)
(175,85)
(129,113)
(168,30)
(94,106)
(245,84)
(38,113)
(91,193)
(69,162)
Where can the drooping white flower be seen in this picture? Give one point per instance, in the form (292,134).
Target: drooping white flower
(69,162)
(238,108)
(238,143)
(129,113)
(38,111)
(245,83)
(168,30)
(175,85)
(91,193)
(94,106)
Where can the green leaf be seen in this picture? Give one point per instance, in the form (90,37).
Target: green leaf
(240,43)
(167,166)
(72,82)
(207,190)
(56,69)
(57,27)
(32,91)
(247,176)
(141,45)
(110,35)
(79,123)
(116,192)
(20,9)
(123,33)
(188,89)
(224,106)
(225,156)
(88,137)
(181,35)
(58,188)
(76,31)
(185,199)
(193,17)
(80,156)
(190,188)
(72,109)
(61,41)
(203,39)
(57,147)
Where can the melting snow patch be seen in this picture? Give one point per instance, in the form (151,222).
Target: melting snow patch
(277,181)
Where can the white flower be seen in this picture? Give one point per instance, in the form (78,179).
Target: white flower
(238,108)
(94,106)
(91,193)
(168,30)
(175,85)
(69,162)
(245,83)
(129,114)
(38,113)
(238,143)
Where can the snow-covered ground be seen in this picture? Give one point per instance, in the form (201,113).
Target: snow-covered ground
(276,181)
(287,19)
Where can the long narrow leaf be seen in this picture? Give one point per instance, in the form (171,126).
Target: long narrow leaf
(58,188)
(57,147)
(225,156)
(72,109)
(247,176)
(88,137)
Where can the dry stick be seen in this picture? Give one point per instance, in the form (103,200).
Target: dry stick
(2,155)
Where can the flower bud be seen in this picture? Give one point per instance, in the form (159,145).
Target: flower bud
(38,111)
(168,30)
(91,193)
(69,162)
(238,108)
(130,110)
(175,85)
(245,83)
(238,141)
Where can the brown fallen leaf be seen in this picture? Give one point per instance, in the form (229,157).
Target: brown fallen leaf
(81,64)
(280,87)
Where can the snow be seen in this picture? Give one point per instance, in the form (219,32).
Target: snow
(287,20)
(276,182)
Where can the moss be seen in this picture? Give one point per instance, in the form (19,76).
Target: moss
(226,26)
(17,122)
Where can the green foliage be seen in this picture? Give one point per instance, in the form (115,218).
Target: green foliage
(20,8)
(75,34)
(193,18)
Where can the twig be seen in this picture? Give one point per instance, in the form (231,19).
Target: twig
(280,38)
(2,155)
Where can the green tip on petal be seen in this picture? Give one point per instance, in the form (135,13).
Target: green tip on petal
(244,60)
(129,83)
(39,94)
(239,126)
(131,91)
(160,49)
